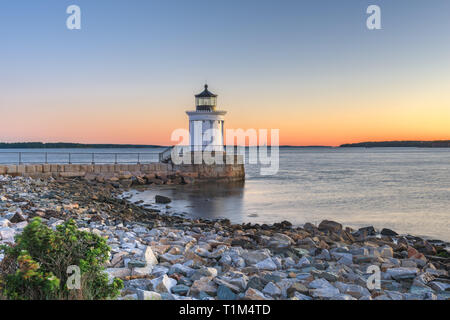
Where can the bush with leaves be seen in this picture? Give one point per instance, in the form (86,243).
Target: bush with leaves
(36,266)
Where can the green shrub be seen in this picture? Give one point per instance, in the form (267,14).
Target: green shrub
(36,266)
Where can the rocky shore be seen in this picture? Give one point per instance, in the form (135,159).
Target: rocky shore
(163,256)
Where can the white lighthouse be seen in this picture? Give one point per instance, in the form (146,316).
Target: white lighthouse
(206,123)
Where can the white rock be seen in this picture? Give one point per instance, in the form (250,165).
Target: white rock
(7,233)
(149,256)
(20,225)
(163,284)
(4,222)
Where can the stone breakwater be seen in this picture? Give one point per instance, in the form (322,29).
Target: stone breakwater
(164,256)
(126,175)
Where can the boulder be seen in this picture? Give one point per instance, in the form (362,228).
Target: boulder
(18,217)
(388,232)
(330,226)
(162,199)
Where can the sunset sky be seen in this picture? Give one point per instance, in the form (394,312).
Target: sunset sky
(309,68)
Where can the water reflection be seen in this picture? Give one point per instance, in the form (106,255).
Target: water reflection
(208,200)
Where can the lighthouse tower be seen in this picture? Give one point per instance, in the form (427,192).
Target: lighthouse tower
(206,123)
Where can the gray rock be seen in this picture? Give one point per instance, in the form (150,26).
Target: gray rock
(325,292)
(182,269)
(331,226)
(253,294)
(297,287)
(402,273)
(388,232)
(266,264)
(352,289)
(180,289)
(303,262)
(255,256)
(342,297)
(224,293)
(272,289)
(439,286)
(257,283)
(204,272)
(319,283)
(148,295)
(162,199)
(299,296)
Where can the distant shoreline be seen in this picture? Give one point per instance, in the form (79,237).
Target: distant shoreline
(379,144)
(61,145)
(399,144)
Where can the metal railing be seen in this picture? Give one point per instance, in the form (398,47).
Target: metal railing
(99,157)
(80,157)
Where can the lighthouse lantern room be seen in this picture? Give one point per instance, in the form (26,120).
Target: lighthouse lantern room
(206,123)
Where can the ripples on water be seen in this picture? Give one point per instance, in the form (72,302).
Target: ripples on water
(405,189)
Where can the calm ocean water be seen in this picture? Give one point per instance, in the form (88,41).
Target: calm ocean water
(405,189)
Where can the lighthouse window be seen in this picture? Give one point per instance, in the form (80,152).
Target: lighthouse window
(206,101)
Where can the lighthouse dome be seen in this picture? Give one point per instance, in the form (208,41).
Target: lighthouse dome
(206,100)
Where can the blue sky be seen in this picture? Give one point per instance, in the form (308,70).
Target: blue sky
(264,58)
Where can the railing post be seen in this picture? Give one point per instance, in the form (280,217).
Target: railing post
(115,158)
(93,162)
(139,158)
(20,157)
(70,159)
(46,157)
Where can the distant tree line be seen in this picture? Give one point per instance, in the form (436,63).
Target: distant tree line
(55,145)
(415,144)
